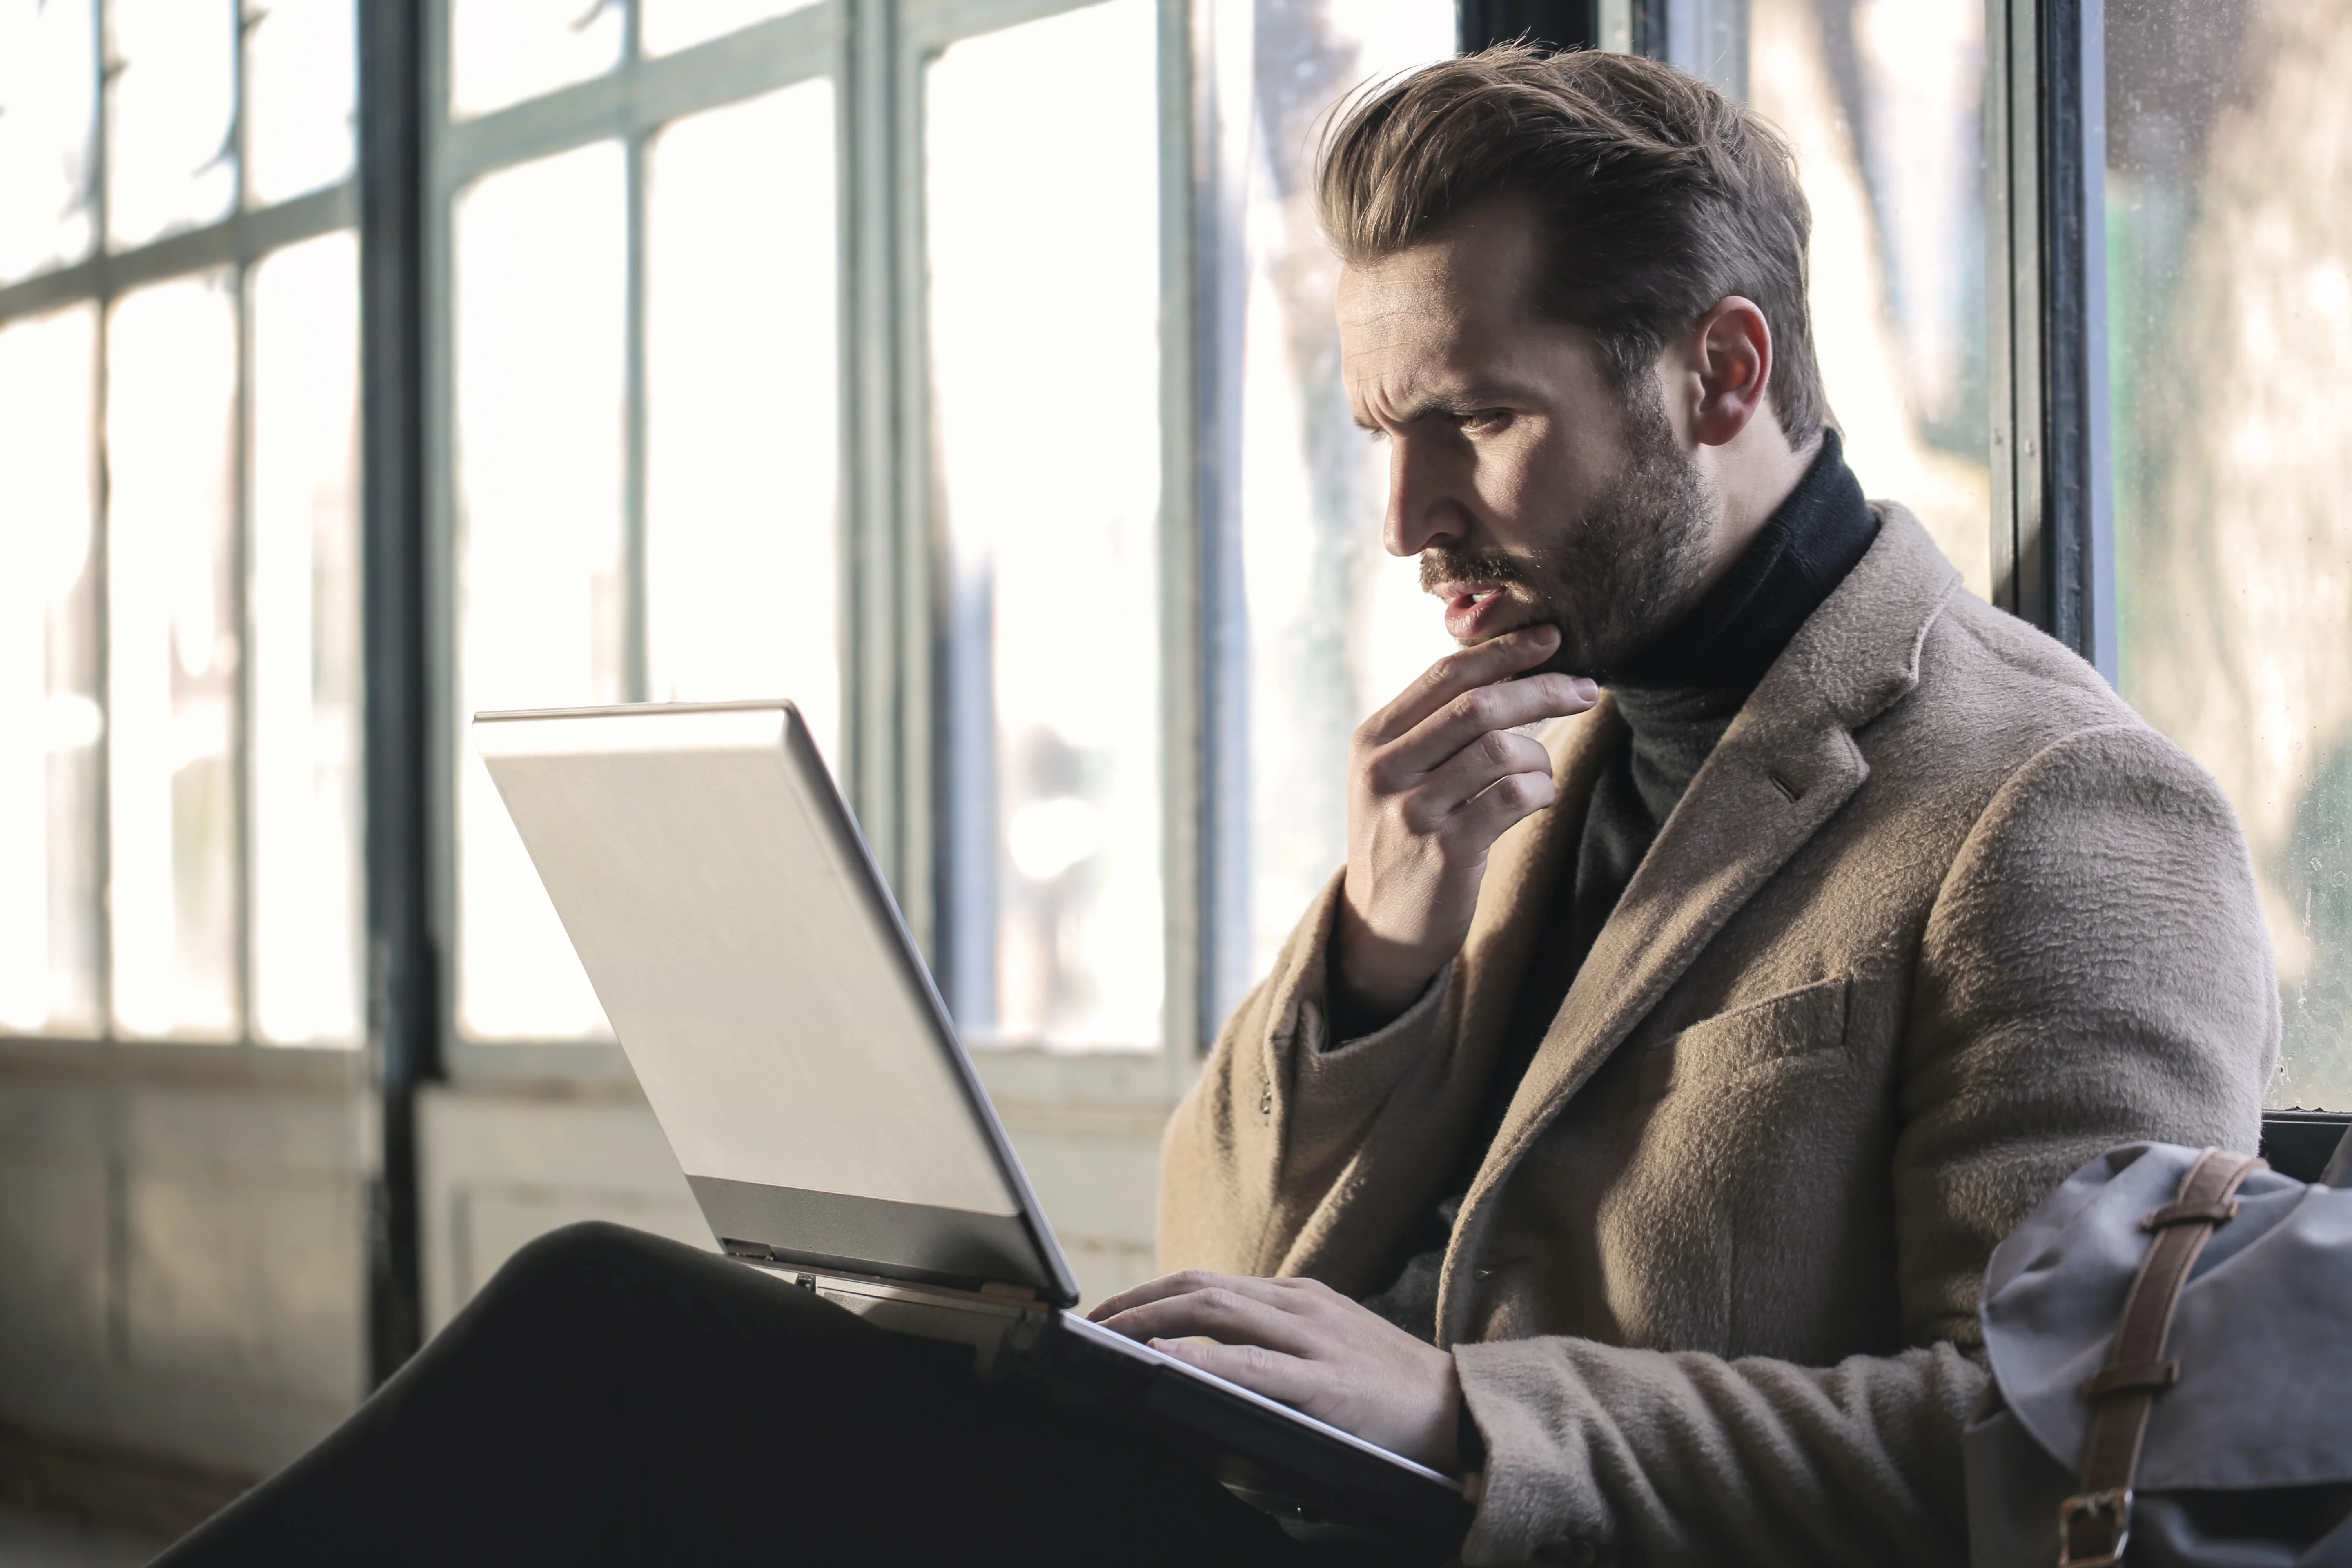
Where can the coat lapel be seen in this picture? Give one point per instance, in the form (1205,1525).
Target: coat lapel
(1787,764)
(1731,831)
(1522,872)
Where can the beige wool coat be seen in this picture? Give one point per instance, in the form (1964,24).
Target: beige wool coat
(1939,920)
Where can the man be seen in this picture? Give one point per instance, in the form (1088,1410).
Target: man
(1627,1127)
(1661,1087)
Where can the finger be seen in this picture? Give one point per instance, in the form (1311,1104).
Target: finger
(1463,670)
(1505,705)
(1185,1281)
(1255,1368)
(1477,825)
(1289,1294)
(1218,1314)
(1498,754)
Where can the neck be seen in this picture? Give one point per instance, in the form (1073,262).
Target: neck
(1754,473)
(1724,642)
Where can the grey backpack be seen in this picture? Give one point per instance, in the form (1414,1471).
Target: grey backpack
(2170,1335)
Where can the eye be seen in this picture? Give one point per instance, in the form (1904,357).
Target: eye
(1483,421)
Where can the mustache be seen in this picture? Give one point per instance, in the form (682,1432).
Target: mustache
(1440,566)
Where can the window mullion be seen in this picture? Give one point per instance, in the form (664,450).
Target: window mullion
(102,516)
(635,665)
(2045,163)
(1224,123)
(1191,517)
(2077,481)
(241,725)
(404,756)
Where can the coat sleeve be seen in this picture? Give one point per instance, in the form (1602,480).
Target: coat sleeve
(2095,970)
(1278,1113)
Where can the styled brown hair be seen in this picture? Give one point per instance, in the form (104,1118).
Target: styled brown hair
(1658,196)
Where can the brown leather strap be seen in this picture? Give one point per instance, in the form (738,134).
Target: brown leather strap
(2189,1213)
(2122,1379)
(2095,1524)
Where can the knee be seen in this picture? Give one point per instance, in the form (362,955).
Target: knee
(578,1261)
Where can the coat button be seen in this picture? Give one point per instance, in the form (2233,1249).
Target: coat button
(1266,1103)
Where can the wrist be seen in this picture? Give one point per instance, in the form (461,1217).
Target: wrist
(1368,983)
(1455,1446)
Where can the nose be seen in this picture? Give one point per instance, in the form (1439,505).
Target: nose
(1422,509)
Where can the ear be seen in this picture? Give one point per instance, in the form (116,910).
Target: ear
(1733,347)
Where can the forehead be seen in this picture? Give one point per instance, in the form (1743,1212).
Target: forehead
(1469,276)
(1452,310)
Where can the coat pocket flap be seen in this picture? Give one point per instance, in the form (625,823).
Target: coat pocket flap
(1792,1024)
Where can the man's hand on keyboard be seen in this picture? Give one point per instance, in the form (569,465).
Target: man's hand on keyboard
(1302,1342)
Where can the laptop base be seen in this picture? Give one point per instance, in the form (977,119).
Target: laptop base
(1319,1483)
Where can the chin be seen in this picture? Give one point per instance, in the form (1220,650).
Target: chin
(1567,659)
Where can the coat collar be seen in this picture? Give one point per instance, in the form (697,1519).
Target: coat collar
(1786,765)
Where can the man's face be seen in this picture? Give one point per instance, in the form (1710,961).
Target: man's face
(1532,487)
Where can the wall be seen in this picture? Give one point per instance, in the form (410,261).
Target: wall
(183,1254)
(183,1230)
(503,1163)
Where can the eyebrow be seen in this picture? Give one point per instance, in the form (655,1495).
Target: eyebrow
(1468,401)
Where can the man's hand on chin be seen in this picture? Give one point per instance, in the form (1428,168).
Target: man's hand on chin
(1302,1342)
(1434,779)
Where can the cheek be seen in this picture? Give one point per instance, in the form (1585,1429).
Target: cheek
(1529,482)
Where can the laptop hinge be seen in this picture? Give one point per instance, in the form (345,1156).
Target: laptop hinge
(999,1290)
(1003,1291)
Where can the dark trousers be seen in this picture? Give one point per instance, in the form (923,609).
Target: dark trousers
(611,1398)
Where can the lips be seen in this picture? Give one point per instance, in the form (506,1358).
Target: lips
(1475,611)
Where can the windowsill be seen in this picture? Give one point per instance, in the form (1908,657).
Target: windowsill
(1027,1084)
(324,1069)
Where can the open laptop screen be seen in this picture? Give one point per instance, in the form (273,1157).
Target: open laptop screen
(762,984)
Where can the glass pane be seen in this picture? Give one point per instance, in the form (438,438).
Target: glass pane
(1044,310)
(169,160)
(49,85)
(503,51)
(303,609)
(2230,320)
(674,24)
(171,657)
(1883,103)
(540,275)
(49,715)
(1337,625)
(742,377)
(299,80)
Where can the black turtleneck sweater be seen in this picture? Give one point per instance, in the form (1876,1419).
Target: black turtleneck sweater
(1677,699)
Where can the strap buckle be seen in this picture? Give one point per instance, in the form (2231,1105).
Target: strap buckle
(2094,1527)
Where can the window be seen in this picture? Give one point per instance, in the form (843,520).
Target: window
(1882,102)
(642,381)
(179,756)
(2229,273)
(1086,656)
(928,468)
(1041,252)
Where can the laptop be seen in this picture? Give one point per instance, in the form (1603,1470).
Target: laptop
(832,1126)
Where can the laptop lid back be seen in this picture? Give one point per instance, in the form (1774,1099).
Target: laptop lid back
(760,978)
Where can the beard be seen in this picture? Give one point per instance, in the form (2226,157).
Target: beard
(1618,573)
